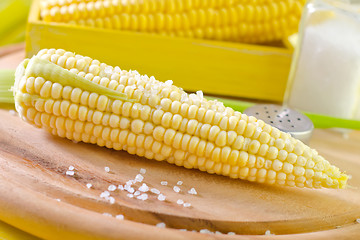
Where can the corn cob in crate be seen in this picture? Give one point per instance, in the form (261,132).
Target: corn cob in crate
(82,99)
(248,21)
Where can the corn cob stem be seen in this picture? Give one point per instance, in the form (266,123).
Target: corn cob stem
(6,82)
(164,123)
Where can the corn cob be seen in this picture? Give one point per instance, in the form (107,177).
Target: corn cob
(84,100)
(229,20)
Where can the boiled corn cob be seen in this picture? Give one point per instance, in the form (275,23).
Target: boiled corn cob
(248,21)
(84,100)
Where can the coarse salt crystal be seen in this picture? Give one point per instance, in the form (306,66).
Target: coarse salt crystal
(192,191)
(117,69)
(176,189)
(358,220)
(70,173)
(88,185)
(120,217)
(206,231)
(180,201)
(161,225)
(121,187)
(179,183)
(161,197)
(144,188)
(139,178)
(187,205)
(143,197)
(104,194)
(142,170)
(108,70)
(111,200)
(130,195)
(231,233)
(71,168)
(112,188)
(107,169)
(184,97)
(169,82)
(129,189)
(12,112)
(107,214)
(268,233)
(217,232)
(136,193)
(164,183)
(154,190)
(130,182)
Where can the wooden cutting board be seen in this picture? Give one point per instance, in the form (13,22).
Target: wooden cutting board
(38,197)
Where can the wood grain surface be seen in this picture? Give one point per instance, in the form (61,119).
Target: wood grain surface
(38,197)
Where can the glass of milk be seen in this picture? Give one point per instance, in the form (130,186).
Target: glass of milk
(325,72)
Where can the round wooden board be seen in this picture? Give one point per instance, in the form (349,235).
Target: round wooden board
(38,197)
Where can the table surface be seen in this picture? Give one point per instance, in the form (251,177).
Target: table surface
(47,201)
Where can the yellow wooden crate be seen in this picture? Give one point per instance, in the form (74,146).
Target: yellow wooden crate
(218,68)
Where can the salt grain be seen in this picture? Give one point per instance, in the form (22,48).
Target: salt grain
(139,178)
(70,173)
(161,225)
(164,183)
(180,201)
(161,197)
(187,205)
(104,194)
(219,233)
(71,168)
(179,183)
(358,220)
(142,170)
(112,188)
(137,193)
(200,94)
(130,182)
(120,217)
(143,197)
(108,70)
(130,195)
(154,190)
(206,231)
(107,214)
(107,169)
(88,185)
(144,188)
(192,191)
(268,233)
(111,200)
(12,112)
(121,187)
(231,233)
(129,189)
(169,82)
(176,189)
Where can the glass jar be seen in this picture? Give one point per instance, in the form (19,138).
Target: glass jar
(325,72)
